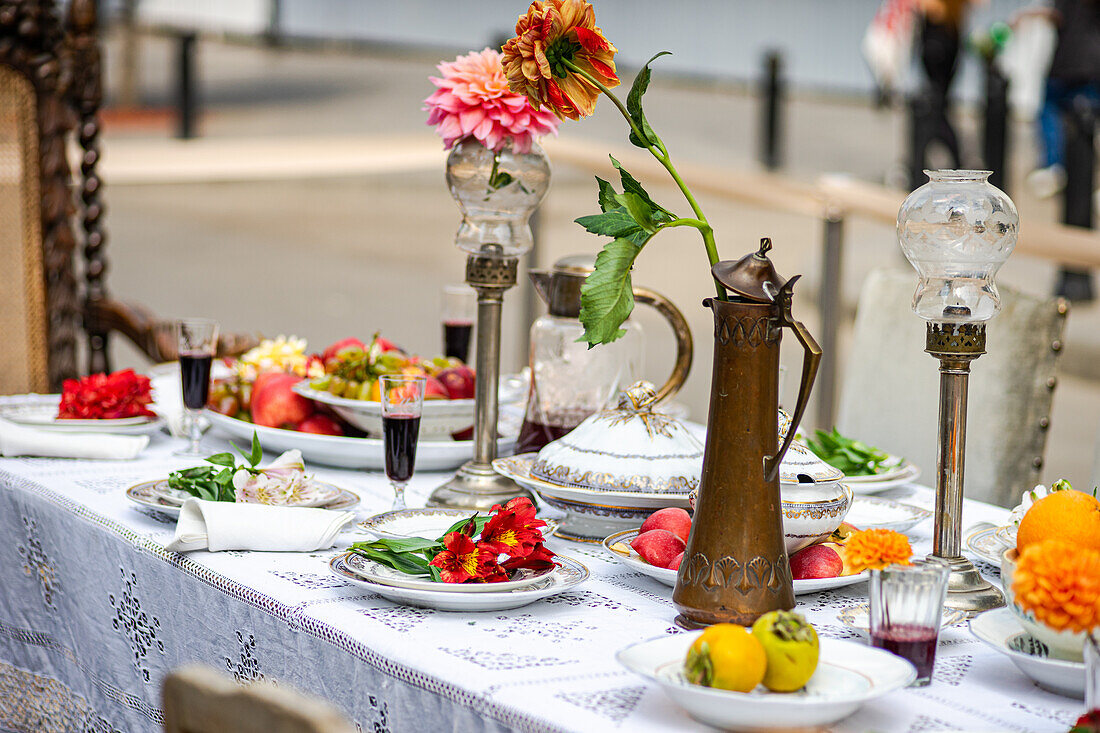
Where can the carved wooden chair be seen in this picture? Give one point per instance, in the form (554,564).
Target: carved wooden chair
(890,396)
(199,700)
(50,91)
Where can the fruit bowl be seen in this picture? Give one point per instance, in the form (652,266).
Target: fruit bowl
(1068,645)
(439,418)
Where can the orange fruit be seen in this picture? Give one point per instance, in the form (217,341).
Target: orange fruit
(1069,515)
(728,657)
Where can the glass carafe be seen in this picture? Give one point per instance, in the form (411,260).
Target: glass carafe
(569,381)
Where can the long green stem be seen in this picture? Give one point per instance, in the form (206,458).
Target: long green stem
(662,156)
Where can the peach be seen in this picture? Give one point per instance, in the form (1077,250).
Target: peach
(675,564)
(434,389)
(675,520)
(658,547)
(816,561)
(275,404)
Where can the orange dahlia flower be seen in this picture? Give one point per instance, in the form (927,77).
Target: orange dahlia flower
(553,35)
(875,549)
(1059,582)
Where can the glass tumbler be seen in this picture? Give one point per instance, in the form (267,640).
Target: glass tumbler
(906,612)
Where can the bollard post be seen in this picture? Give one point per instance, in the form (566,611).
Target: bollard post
(995,131)
(920,135)
(1077,199)
(829,304)
(186,100)
(771,98)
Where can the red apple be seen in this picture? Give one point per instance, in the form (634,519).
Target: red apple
(675,520)
(675,564)
(320,425)
(434,389)
(658,547)
(350,342)
(459,381)
(816,561)
(275,404)
(385,345)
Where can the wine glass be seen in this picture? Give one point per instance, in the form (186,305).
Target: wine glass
(402,402)
(197,340)
(459,308)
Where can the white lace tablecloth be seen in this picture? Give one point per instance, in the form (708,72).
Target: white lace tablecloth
(94,612)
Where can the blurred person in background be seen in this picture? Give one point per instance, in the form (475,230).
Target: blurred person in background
(940,28)
(1074,74)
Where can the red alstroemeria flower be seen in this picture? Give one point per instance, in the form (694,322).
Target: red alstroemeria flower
(494,573)
(513,530)
(106,396)
(538,559)
(463,559)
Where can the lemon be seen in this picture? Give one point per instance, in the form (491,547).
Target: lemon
(790,644)
(726,656)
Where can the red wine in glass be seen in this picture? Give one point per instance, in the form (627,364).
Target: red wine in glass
(456,339)
(195,379)
(399,433)
(909,641)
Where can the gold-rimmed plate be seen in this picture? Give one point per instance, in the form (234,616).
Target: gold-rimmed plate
(154,495)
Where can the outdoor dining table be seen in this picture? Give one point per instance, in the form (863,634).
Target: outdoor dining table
(94,612)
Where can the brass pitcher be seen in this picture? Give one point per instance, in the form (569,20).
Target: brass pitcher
(735,566)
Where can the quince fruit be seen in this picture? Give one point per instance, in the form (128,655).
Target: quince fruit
(726,656)
(790,644)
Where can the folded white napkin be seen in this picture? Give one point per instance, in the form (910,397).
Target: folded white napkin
(16,440)
(225,525)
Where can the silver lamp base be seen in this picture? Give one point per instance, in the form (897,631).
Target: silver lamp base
(967,590)
(477,487)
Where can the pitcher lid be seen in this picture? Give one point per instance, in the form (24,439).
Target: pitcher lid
(752,277)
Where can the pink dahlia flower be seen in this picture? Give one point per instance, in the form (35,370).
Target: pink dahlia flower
(473,98)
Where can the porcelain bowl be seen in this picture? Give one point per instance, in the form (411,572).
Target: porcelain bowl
(439,418)
(1068,645)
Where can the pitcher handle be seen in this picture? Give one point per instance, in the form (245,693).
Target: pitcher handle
(684,342)
(811,358)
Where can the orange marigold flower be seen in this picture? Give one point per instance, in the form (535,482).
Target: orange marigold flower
(1059,582)
(876,548)
(552,33)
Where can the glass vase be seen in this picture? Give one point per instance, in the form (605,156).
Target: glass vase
(497,193)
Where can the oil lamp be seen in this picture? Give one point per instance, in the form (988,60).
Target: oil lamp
(497,193)
(957,230)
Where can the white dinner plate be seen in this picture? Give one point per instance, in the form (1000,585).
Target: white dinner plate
(327,495)
(848,675)
(376,572)
(873,512)
(343,452)
(634,561)
(1001,631)
(152,495)
(567,575)
(438,418)
(985,543)
(40,412)
(430,522)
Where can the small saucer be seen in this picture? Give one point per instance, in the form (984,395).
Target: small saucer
(859,617)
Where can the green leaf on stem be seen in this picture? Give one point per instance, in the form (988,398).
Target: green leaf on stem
(634,105)
(401,544)
(222,459)
(639,210)
(607,296)
(631,185)
(607,195)
(617,223)
(405,563)
(479,524)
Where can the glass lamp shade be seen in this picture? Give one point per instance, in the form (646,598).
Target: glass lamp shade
(497,193)
(957,230)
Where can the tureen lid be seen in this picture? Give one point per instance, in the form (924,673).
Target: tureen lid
(628,448)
